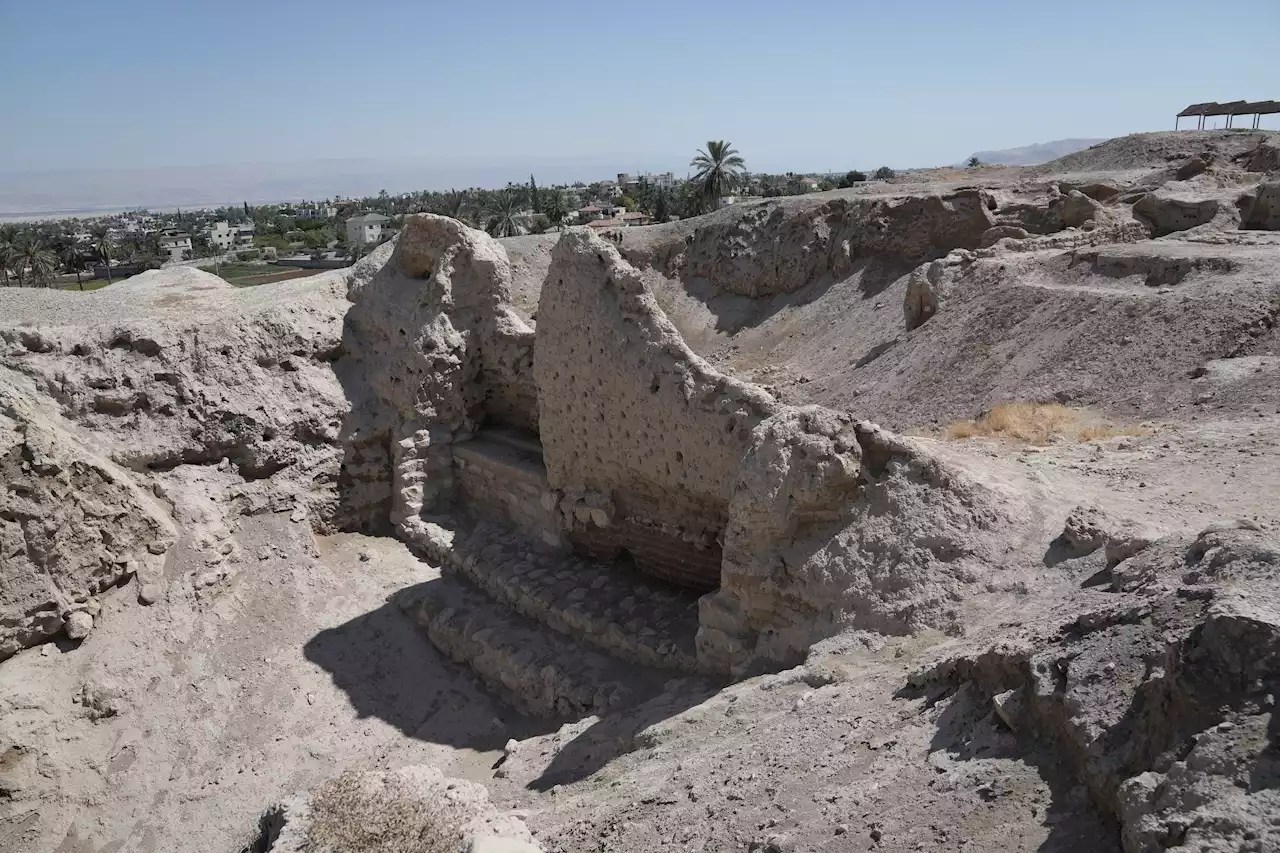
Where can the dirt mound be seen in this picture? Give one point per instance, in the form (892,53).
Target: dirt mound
(1155,150)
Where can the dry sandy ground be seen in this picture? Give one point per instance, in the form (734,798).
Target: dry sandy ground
(171,727)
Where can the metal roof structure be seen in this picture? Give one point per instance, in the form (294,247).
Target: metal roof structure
(1230,109)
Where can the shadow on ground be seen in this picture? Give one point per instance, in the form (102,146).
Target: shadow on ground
(621,732)
(390,671)
(969,730)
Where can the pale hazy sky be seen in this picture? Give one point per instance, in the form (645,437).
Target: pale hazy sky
(804,85)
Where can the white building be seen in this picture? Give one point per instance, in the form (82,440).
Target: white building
(226,237)
(319,212)
(175,242)
(366,229)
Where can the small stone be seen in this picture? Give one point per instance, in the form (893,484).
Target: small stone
(299,514)
(47,650)
(510,748)
(311,698)
(365,557)
(842,829)
(78,625)
(149,593)
(208,579)
(159,546)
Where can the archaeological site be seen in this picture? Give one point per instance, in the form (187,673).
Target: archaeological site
(935,514)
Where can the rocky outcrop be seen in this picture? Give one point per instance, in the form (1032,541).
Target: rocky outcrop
(414,808)
(1266,157)
(72,525)
(930,285)
(835,525)
(103,394)
(762,250)
(1263,208)
(1165,211)
(176,367)
(997,233)
(1160,700)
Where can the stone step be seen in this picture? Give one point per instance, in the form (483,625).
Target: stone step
(605,606)
(541,672)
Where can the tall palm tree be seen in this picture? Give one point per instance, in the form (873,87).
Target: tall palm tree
(102,244)
(554,207)
(502,214)
(719,169)
(69,254)
(8,237)
(34,262)
(456,204)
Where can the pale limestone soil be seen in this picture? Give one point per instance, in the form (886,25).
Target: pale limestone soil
(851,765)
(217,703)
(1178,479)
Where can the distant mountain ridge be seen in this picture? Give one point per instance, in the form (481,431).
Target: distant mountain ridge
(1034,155)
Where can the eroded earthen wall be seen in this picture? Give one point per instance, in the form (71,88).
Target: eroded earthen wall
(641,437)
(438,353)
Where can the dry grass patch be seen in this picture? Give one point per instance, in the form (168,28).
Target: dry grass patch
(1041,423)
(352,812)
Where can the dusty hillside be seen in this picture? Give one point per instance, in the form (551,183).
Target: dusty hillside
(555,543)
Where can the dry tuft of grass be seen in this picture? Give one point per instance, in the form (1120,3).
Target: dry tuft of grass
(1040,424)
(349,814)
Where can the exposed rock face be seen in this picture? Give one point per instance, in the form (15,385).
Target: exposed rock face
(437,351)
(1266,157)
(763,250)
(1161,701)
(101,391)
(999,232)
(414,808)
(72,524)
(930,285)
(836,524)
(1166,210)
(1263,212)
(630,414)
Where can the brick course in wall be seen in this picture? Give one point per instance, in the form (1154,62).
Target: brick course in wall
(507,484)
(688,564)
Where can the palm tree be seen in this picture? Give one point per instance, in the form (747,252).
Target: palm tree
(34,261)
(719,169)
(8,236)
(102,244)
(553,207)
(503,211)
(455,204)
(69,254)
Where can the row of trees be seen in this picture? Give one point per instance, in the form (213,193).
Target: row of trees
(35,255)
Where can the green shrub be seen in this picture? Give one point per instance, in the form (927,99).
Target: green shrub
(249,255)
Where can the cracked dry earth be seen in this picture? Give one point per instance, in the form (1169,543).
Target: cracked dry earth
(566,543)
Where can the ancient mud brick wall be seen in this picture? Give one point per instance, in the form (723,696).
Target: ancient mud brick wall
(437,351)
(509,485)
(511,395)
(641,436)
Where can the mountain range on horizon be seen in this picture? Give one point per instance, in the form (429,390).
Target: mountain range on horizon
(1035,154)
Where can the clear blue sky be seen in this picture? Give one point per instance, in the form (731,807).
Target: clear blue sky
(800,84)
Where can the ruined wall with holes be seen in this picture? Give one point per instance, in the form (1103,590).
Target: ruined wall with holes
(436,352)
(641,436)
